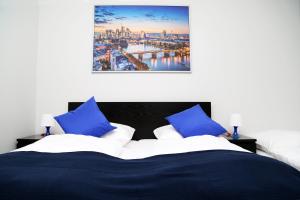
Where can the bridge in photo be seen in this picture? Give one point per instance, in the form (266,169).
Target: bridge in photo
(138,63)
(155,52)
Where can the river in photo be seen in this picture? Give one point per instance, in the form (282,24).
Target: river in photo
(161,62)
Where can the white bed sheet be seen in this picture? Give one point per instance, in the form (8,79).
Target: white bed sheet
(72,143)
(133,150)
(151,147)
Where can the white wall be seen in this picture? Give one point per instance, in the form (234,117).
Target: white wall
(18,49)
(245,58)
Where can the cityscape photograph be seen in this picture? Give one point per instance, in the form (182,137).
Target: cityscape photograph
(141,38)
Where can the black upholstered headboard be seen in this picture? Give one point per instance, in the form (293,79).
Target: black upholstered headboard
(143,116)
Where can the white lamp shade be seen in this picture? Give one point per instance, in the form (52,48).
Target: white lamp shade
(47,120)
(236,119)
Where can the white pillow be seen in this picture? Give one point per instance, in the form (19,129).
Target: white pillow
(273,139)
(167,132)
(122,133)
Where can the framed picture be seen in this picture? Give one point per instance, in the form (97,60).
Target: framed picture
(131,38)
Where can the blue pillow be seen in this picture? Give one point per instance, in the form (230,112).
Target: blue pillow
(194,121)
(87,119)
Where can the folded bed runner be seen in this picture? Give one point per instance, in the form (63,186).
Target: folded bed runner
(203,175)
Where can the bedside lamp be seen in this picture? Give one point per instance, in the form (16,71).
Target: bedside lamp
(48,122)
(235,121)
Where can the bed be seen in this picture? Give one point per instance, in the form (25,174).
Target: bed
(202,167)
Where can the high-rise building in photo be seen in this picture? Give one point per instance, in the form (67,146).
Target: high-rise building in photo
(122,31)
(118,33)
(143,34)
(164,34)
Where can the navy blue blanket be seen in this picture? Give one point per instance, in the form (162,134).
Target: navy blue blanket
(205,175)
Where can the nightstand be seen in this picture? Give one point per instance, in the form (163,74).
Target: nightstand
(245,142)
(21,142)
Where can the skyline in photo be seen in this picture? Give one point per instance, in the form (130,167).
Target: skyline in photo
(150,19)
(141,38)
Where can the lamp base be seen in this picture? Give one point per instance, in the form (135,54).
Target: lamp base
(48,130)
(235,134)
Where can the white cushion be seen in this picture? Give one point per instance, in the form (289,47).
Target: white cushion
(122,133)
(167,132)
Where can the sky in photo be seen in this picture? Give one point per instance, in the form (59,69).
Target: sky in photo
(150,19)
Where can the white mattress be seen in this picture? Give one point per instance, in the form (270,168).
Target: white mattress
(290,156)
(283,145)
(133,150)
